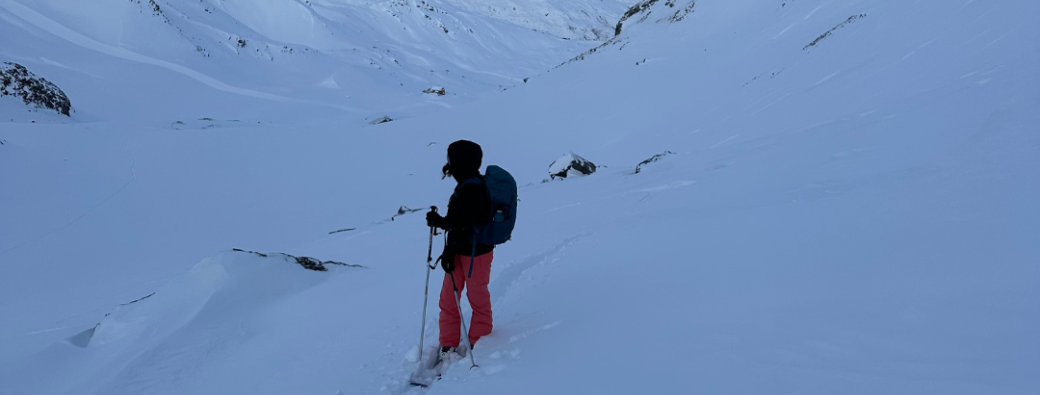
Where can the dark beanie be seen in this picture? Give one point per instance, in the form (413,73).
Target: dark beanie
(465,157)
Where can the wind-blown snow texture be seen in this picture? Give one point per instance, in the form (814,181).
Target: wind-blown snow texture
(854,216)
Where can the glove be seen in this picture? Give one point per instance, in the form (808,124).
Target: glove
(435,220)
(448,262)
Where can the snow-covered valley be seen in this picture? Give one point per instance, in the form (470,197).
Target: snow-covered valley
(842,197)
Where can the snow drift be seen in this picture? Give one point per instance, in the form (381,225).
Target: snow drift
(133,348)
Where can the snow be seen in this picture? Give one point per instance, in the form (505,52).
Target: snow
(125,344)
(589,20)
(857,216)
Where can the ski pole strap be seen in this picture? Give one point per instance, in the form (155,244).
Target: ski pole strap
(473,253)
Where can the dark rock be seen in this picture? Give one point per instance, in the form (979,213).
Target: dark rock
(138,299)
(17,81)
(829,32)
(310,263)
(571,165)
(304,261)
(636,9)
(652,159)
(341,264)
(437,90)
(404,210)
(250,252)
(680,14)
(612,41)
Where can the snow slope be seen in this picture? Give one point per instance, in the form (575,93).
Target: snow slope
(368,59)
(854,216)
(582,20)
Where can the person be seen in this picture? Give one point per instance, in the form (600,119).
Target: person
(469,207)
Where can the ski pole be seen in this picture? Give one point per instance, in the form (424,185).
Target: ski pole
(426,294)
(465,332)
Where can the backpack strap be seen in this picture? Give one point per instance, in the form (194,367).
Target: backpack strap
(468,181)
(471,180)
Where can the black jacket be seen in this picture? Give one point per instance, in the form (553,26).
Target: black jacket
(469,205)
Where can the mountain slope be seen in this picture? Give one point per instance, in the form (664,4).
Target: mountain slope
(853,215)
(361,58)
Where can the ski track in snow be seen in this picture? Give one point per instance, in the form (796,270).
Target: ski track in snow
(723,142)
(512,274)
(133,177)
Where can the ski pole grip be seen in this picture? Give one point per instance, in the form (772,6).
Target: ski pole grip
(433,228)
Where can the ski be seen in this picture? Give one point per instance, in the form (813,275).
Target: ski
(430,368)
(433,366)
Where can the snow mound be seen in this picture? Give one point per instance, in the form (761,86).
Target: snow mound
(218,304)
(228,284)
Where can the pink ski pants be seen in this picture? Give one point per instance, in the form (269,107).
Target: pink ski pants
(479,299)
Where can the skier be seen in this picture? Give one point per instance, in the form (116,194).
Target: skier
(468,209)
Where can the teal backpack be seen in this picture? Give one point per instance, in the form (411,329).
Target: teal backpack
(501,189)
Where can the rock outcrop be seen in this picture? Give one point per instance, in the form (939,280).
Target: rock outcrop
(304,261)
(571,165)
(17,81)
